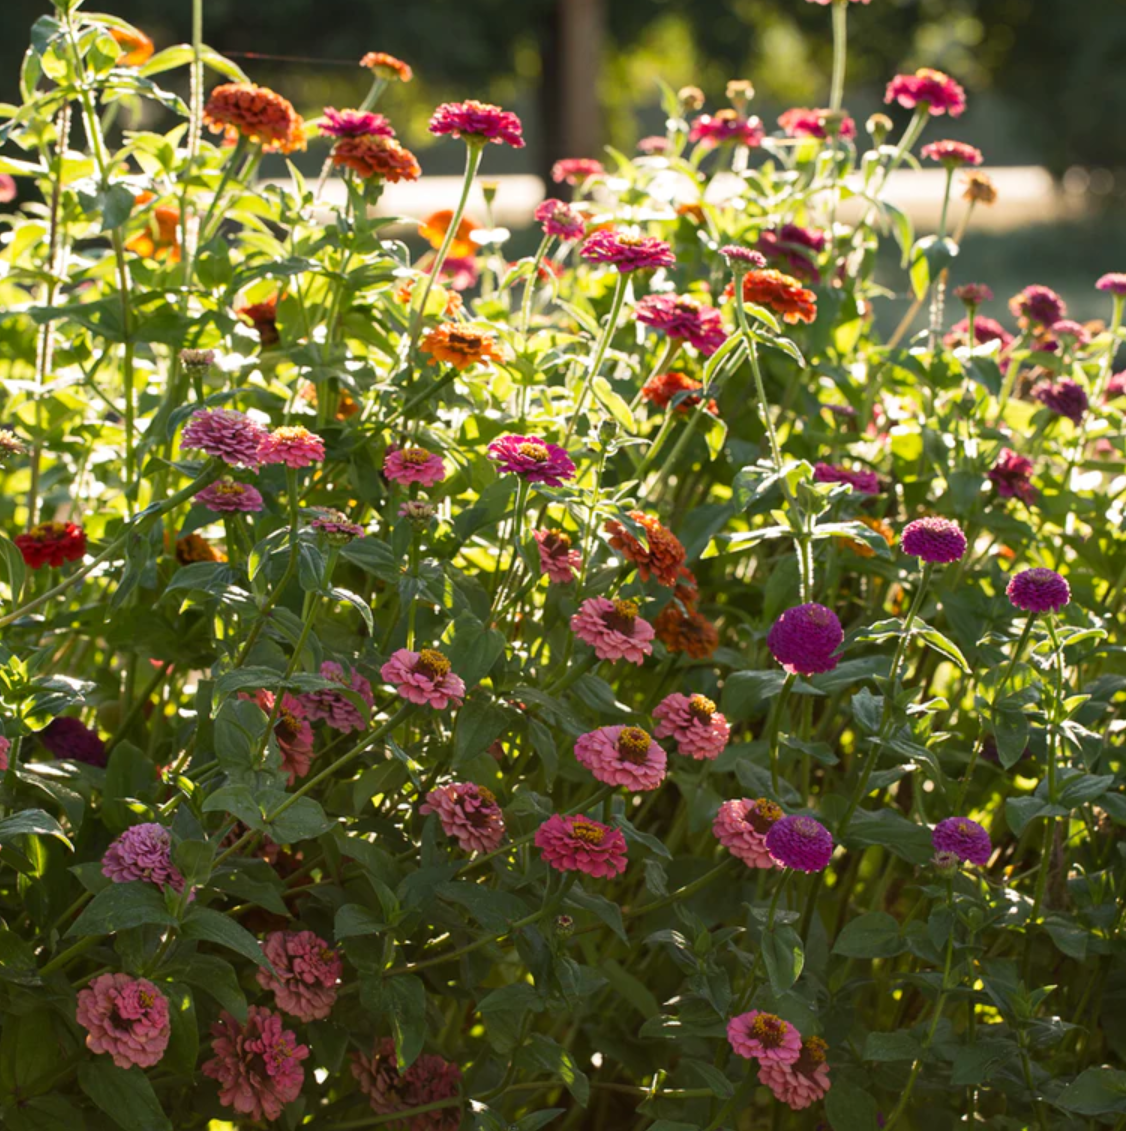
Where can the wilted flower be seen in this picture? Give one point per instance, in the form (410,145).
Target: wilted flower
(800,122)
(1011,475)
(225,496)
(690,97)
(305,976)
(228,435)
(979,189)
(806,1081)
(952,154)
(1038,590)
(375,157)
(1064,397)
(741,826)
(71,740)
(795,246)
(560,219)
(778,292)
(414,465)
(354,123)
(627,252)
(764,1037)
(576,170)
(51,544)
(125,1017)
(613,629)
(387,67)
(557,557)
(800,842)
(461,346)
(469,813)
(424,678)
(143,852)
(10,446)
(936,92)
(532,459)
(292,445)
(429,1079)
(241,109)
(804,639)
(1038,305)
(625,756)
(336,710)
(865,482)
(686,631)
(685,318)
(933,539)
(659,557)
(726,126)
(574,843)
(477,123)
(663,388)
(963,837)
(700,731)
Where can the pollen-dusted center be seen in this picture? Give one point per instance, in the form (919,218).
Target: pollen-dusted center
(701,707)
(769,1029)
(587,831)
(622,616)
(633,744)
(762,814)
(416,457)
(432,662)
(531,449)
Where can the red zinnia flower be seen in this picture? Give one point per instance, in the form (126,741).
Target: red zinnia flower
(726,126)
(778,292)
(52,543)
(663,388)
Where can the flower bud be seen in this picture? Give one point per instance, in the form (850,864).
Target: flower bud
(419,512)
(879,126)
(690,97)
(607,430)
(564,926)
(946,864)
(197,361)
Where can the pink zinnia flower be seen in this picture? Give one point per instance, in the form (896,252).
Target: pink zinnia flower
(742,258)
(1114,282)
(306,973)
(933,539)
(8,189)
(1116,386)
(574,843)
(1065,397)
(1011,475)
(71,740)
(354,123)
(764,1037)
(428,1080)
(338,712)
(801,843)
(557,557)
(806,1080)
(985,330)
(576,170)
(952,154)
(865,482)
(613,629)
(477,123)
(414,465)
(292,730)
(424,678)
(741,826)
(804,639)
(257,1065)
(469,813)
(336,527)
(627,252)
(726,126)
(292,445)
(625,756)
(5,750)
(652,145)
(795,246)
(143,852)
(228,497)
(1038,305)
(1076,333)
(966,839)
(228,435)
(800,122)
(560,219)
(126,1017)
(699,730)
(533,459)
(1038,590)
(684,317)
(939,93)
(973,295)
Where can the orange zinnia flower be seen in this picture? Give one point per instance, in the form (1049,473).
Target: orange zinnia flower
(263,316)
(453,307)
(461,346)
(437,224)
(387,66)
(136,47)
(662,558)
(862,548)
(241,109)
(778,292)
(374,156)
(662,388)
(160,239)
(194,548)
(687,632)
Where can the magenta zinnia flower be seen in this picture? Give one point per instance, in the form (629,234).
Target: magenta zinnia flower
(802,122)
(952,154)
(574,843)
(804,638)
(1038,591)
(533,459)
(143,852)
(745,257)
(576,170)
(801,843)
(71,740)
(428,1080)
(939,93)
(557,557)
(764,1037)
(627,252)
(1011,475)
(973,294)
(933,539)
(257,1065)
(964,838)
(469,813)
(741,826)
(804,1082)
(794,245)
(477,123)
(865,482)
(985,330)
(228,435)
(424,678)
(613,629)
(1065,397)
(699,730)
(306,973)
(1114,282)
(726,126)
(1038,305)
(560,219)
(685,318)
(228,497)
(292,445)
(354,123)
(334,708)
(125,1017)
(414,465)
(625,756)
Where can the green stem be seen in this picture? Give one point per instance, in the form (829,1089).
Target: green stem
(775,725)
(599,353)
(840,53)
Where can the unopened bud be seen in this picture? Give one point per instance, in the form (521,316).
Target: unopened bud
(879,126)
(198,360)
(946,863)
(564,926)
(419,512)
(690,97)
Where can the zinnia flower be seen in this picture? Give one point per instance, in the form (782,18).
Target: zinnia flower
(938,93)
(194,548)
(1038,305)
(740,258)
(557,558)
(228,497)
(125,1017)
(560,220)
(806,1080)
(663,388)
(795,246)
(778,292)
(434,228)
(1011,475)
(469,813)
(627,252)
(143,852)
(241,109)
(10,446)
(340,713)
(625,756)
(292,445)
(979,189)
(865,482)
(414,465)
(533,459)
(576,170)
(292,731)
(700,731)
(1114,283)
(374,157)
(726,126)
(428,1080)
(686,631)
(5,751)
(424,678)
(354,123)
(305,976)
(684,318)
(387,67)
(800,842)
(1115,387)
(952,154)
(985,330)
(336,526)
(160,238)
(933,539)
(460,346)
(136,47)
(8,189)
(966,839)
(1064,397)
(613,629)
(804,639)
(225,434)
(973,295)
(263,316)
(51,544)
(257,1065)
(71,740)
(741,826)
(660,557)
(1038,590)
(764,1037)
(800,122)
(477,123)
(574,843)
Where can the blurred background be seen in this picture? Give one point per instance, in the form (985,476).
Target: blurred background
(1044,81)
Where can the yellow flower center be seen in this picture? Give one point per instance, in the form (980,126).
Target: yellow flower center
(587,831)
(486,795)
(416,457)
(701,707)
(432,662)
(530,449)
(762,814)
(289,432)
(769,1030)
(633,745)
(228,488)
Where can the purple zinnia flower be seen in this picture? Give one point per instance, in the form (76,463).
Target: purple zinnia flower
(1038,304)
(866,482)
(933,539)
(533,459)
(1011,475)
(478,123)
(744,256)
(800,842)
(803,639)
(228,435)
(1115,283)
(964,838)
(685,318)
(560,219)
(228,497)
(1038,591)
(354,123)
(70,739)
(628,252)
(143,852)
(1065,398)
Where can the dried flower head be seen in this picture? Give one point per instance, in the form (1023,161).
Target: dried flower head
(979,189)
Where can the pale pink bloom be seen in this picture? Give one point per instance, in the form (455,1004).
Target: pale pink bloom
(5,747)
(228,497)
(306,973)
(469,813)
(613,629)
(741,826)
(428,1080)
(622,756)
(293,446)
(414,465)
(292,730)
(126,1017)
(143,852)
(331,706)
(764,1037)
(424,678)
(557,557)
(802,1083)
(700,731)
(574,843)
(257,1065)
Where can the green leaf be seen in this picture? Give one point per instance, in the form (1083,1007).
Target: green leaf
(849,1108)
(891,1046)
(873,935)
(15,570)
(122,906)
(944,646)
(543,1052)
(610,913)
(1097,1091)
(217,977)
(405,999)
(631,989)
(784,956)
(1010,732)
(890,829)
(352,920)
(31,822)
(977,1063)
(213,926)
(613,404)
(125,1095)
(29,1053)
(479,724)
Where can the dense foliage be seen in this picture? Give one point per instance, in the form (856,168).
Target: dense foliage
(611,689)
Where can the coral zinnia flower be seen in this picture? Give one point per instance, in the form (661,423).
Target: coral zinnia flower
(662,555)
(52,543)
(613,629)
(126,1017)
(684,318)
(576,170)
(387,66)
(741,826)
(424,678)
(477,123)
(372,156)
(414,465)
(625,756)
(136,47)
(764,1037)
(688,631)
(241,109)
(800,122)
(778,292)
(354,123)
(305,975)
(938,92)
(263,316)
(160,238)
(557,558)
(533,459)
(292,445)
(806,1080)
(437,224)
(726,126)
(469,813)
(698,729)
(461,346)
(663,388)
(628,252)
(952,154)
(581,844)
